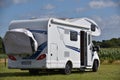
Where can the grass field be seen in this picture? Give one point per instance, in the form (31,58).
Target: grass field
(106,72)
(109,71)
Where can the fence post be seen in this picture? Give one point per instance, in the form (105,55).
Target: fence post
(5,61)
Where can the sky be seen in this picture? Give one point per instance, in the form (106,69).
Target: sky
(106,13)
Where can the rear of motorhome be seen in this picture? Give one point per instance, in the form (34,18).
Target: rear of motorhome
(61,44)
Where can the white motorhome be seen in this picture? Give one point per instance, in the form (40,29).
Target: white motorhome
(62,44)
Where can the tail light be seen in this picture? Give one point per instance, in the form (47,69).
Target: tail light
(42,56)
(12,57)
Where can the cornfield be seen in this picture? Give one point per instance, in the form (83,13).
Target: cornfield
(110,54)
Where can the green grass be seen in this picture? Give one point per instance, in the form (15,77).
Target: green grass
(106,72)
(3,56)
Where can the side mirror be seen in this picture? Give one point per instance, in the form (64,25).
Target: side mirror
(96,48)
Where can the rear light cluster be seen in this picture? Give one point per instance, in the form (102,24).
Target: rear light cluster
(12,57)
(42,56)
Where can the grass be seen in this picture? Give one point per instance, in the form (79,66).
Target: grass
(106,72)
(3,56)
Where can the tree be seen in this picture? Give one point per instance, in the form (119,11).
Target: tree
(112,43)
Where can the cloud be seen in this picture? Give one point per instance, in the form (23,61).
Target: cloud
(107,22)
(60,0)
(49,7)
(110,26)
(103,3)
(115,20)
(2,3)
(99,20)
(20,1)
(78,10)
(5,3)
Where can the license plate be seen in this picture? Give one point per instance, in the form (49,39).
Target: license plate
(26,62)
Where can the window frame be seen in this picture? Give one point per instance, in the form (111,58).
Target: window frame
(73,35)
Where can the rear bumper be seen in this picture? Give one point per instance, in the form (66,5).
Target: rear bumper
(27,64)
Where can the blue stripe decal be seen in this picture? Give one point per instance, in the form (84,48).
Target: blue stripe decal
(39,31)
(40,49)
(73,48)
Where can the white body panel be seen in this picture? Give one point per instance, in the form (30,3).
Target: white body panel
(52,37)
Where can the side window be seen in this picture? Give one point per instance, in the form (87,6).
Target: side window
(93,27)
(73,36)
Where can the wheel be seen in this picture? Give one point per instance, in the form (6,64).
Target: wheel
(95,66)
(68,68)
(33,71)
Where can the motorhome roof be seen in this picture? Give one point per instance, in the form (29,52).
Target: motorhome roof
(83,23)
(79,23)
(29,23)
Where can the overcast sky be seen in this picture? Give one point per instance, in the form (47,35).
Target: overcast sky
(106,13)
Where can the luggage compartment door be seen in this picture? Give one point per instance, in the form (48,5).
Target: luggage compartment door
(53,55)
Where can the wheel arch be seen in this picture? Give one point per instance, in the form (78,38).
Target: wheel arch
(70,62)
(98,62)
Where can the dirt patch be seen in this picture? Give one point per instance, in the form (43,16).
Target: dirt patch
(116,62)
(104,62)
(110,62)
(3,60)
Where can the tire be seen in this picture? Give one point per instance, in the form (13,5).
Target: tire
(33,72)
(95,66)
(68,68)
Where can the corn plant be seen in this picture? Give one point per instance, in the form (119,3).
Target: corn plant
(110,54)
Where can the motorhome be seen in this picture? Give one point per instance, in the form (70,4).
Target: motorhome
(52,43)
